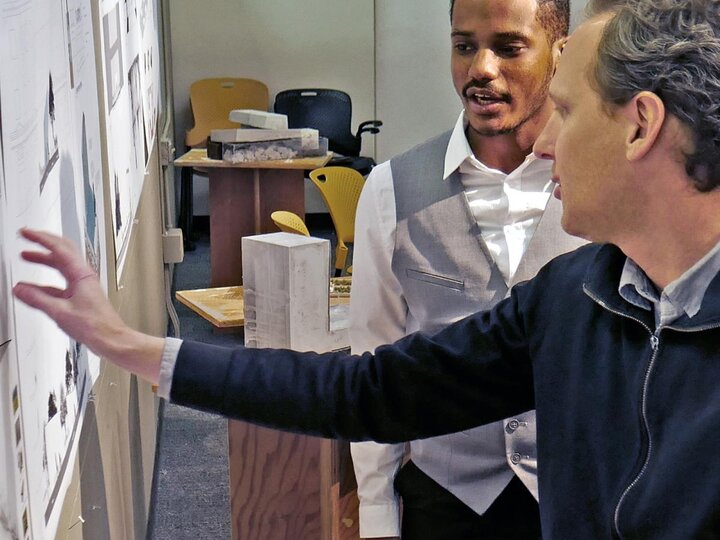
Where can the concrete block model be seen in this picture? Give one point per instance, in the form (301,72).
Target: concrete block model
(259,119)
(286,281)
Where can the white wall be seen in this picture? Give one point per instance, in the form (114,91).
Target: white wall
(312,43)
(414,95)
(576,14)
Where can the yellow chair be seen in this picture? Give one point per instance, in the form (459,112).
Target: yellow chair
(211,101)
(340,188)
(289,222)
(292,223)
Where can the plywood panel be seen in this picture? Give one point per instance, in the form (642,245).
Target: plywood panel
(275,483)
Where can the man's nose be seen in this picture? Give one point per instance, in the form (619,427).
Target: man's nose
(544,147)
(485,65)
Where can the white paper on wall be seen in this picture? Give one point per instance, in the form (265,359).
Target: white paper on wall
(131,74)
(150,66)
(53,181)
(13,496)
(11,504)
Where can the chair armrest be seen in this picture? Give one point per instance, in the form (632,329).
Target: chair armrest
(369,126)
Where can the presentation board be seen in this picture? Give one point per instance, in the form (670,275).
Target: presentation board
(52,179)
(53,166)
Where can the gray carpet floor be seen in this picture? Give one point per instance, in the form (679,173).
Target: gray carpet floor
(191,497)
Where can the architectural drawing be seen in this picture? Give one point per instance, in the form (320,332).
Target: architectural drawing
(92,230)
(150,64)
(137,122)
(114,73)
(50,155)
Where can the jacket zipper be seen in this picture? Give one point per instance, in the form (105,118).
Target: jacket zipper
(654,345)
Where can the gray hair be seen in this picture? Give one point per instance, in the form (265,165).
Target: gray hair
(670,48)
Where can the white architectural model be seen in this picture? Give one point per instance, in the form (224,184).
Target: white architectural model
(286,290)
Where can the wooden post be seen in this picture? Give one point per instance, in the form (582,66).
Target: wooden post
(282,485)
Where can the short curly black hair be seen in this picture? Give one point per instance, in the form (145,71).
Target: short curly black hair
(554,16)
(670,48)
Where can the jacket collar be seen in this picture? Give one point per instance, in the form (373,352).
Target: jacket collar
(601,284)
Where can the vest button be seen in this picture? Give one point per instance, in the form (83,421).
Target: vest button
(515,458)
(511,426)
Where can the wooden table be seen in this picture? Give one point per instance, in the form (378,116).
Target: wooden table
(224,306)
(241,198)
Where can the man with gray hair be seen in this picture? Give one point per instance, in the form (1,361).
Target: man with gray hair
(615,344)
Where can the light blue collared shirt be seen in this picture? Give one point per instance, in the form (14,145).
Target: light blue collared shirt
(682,296)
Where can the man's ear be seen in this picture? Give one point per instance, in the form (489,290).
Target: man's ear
(557,49)
(646,115)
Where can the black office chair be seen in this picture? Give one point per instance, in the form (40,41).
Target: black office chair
(330,112)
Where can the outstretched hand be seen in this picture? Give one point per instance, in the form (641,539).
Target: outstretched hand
(81,309)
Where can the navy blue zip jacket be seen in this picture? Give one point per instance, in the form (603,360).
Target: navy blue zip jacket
(628,415)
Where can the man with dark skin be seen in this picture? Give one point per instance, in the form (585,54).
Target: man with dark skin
(442,231)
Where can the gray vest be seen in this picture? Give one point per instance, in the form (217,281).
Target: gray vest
(447,273)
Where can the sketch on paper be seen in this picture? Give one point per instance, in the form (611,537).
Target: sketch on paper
(9,523)
(114,75)
(151,81)
(68,39)
(118,206)
(144,15)
(150,68)
(92,231)
(65,402)
(136,115)
(51,154)
(131,16)
(79,39)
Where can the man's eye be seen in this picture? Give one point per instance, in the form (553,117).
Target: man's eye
(509,50)
(463,48)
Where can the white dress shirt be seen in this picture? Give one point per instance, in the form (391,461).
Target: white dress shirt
(507,207)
